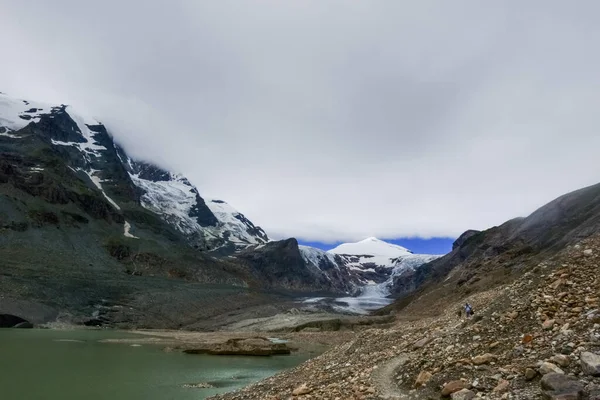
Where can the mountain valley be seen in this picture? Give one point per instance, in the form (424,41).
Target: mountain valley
(91,237)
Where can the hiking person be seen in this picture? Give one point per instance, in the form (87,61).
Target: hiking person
(468,310)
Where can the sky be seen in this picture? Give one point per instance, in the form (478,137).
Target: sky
(332,120)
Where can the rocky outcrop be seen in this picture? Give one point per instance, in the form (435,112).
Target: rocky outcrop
(280,264)
(257,346)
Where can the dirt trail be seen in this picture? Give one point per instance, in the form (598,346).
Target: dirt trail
(383,378)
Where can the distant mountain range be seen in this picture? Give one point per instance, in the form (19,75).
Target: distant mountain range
(89,235)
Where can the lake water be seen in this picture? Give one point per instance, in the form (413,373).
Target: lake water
(68,365)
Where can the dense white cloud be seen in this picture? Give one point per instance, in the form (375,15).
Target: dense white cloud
(332,120)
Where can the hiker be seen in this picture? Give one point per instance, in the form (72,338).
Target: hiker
(468,310)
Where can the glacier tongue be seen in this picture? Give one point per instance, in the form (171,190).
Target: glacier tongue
(372,266)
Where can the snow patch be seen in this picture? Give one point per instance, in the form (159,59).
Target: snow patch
(126,231)
(98,183)
(232,221)
(370,251)
(315,256)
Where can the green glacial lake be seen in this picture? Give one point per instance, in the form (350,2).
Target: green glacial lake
(74,365)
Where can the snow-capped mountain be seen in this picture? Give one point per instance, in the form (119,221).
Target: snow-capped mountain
(371,264)
(212,224)
(95,157)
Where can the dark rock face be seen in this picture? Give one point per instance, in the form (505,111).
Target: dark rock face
(280,264)
(202,213)
(12,321)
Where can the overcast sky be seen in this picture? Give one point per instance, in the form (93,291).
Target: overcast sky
(332,120)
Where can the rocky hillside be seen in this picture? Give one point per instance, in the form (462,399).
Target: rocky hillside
(483,259)
(536,337)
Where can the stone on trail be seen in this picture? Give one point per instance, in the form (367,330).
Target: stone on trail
(422,343)
(561,387)
(549,368)
(530,374)
(423,378)
(483,359)
(463,394)
(561,359)
(548,324)
(453,386)
(590,363)
(502,386)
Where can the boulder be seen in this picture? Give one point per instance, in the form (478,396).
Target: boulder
(590,363)
(561,387)
(549,368)
(453,386)
(561,359)
(463,394)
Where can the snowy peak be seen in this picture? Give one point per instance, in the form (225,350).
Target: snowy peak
(16,114)
(90,152)
(242,230)
(371,246)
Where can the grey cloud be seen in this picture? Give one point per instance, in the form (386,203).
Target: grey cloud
(332,120)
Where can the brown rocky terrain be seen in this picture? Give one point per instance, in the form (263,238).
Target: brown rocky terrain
(535,336)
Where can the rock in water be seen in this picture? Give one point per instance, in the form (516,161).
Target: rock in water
(590,363)
(561,387)
(201,385)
